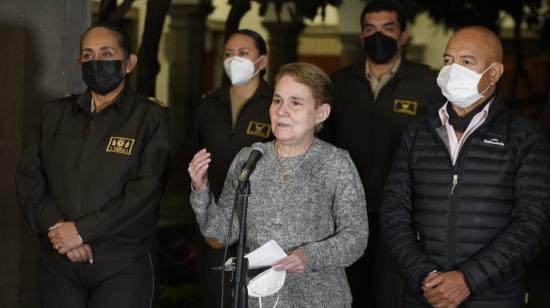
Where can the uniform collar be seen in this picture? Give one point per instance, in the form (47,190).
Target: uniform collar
(263,90)
(391,73)
(360,70)
(123,103)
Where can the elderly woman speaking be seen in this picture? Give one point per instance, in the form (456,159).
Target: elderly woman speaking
(306,195)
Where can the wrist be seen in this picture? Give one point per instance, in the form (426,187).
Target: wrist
(428,275)
(463,278)
(197,188)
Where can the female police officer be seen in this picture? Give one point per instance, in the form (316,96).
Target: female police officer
(227,119)
(92,185)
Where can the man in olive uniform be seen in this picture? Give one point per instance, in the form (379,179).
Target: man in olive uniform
(373,103)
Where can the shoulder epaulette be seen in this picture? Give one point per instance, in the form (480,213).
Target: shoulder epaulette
(70,96)
(210,93)
(156,101)
(67,97)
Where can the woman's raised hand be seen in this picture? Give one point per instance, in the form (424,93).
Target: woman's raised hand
(198,168)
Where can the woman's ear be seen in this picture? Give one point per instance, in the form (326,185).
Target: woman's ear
(323,112)
(263,63)
(130,63)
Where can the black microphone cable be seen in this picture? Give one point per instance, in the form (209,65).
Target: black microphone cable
(226,244)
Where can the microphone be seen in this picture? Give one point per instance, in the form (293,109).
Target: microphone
(255,156)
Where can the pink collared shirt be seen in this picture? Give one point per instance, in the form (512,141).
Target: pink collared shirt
(454,144)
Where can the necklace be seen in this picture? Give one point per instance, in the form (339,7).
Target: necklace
(287,173)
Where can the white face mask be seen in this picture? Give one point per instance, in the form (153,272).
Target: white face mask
(459,84)
(240,70)
(266,283)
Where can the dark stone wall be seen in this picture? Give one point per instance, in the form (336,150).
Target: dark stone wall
(38,54)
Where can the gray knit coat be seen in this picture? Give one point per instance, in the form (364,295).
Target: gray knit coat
(321,207)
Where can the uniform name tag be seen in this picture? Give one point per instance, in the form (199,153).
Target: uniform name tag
(120,145)
(258,129)
(403,106)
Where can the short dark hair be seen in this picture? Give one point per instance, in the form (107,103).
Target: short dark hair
(121,35)
(385,5)
(259,41)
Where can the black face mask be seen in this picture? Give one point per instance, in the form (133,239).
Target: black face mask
(102,76)
(379,47)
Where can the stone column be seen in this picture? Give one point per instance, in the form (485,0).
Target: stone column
(349,13)
(283,44)
(186,57)
(217,48)
(284,32)
(39,53)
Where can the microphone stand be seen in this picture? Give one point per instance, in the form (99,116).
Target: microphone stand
(240,291)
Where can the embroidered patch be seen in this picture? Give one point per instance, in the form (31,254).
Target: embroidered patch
(120,145)
(258,129)
(403,106)
(494,141)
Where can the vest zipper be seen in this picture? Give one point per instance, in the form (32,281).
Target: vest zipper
(455,182)
(453,201)
(453,210)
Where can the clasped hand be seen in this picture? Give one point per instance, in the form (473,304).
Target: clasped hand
(65,239)
(445,289)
